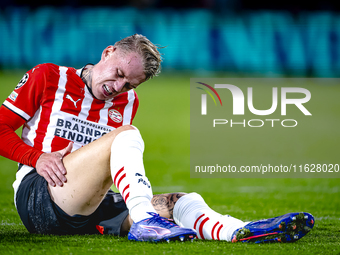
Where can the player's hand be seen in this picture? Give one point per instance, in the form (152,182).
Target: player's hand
(51,166)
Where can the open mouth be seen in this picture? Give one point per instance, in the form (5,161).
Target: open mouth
(107,91)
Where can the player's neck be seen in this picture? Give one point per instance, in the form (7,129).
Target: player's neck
(86,75)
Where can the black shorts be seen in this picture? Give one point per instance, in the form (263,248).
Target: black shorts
(41,215)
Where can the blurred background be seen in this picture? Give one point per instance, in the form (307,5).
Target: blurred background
(262,38)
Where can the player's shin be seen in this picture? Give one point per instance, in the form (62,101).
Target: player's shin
(191,211)
(128,174)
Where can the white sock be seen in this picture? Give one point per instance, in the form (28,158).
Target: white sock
(128,174)
(191,211)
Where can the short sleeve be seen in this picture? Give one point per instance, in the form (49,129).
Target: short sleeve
(26,97)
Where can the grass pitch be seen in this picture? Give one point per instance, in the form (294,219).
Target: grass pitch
(163,119)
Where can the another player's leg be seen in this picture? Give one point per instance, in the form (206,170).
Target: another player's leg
(191,211)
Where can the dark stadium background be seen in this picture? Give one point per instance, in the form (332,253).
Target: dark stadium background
(263,38)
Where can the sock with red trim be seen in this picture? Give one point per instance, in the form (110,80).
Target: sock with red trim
(191,211)
(128,174)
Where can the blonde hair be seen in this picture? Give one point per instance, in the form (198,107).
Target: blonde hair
(147,50)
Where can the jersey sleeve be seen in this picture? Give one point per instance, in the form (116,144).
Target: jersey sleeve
(26,97)
(11,146)
(16,110)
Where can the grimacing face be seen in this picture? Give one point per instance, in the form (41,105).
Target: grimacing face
(116,72)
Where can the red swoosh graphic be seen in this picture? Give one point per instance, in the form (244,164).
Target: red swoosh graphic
(212,90)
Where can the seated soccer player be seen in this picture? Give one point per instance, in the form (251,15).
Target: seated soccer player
(77,141)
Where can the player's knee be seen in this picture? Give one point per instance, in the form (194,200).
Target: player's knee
(125,127)
(127,136)
(114,133)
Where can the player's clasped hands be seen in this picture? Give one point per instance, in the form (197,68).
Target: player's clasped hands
(51,166)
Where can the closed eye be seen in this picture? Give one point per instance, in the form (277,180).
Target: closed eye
(120,74)
(129,86)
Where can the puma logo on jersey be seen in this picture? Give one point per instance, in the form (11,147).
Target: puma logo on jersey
(141,180)
(74,102)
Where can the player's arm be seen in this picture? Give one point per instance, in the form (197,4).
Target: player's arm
(11,146)
(15,112)
(48,165)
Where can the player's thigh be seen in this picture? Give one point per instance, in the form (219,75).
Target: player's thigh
(88,176)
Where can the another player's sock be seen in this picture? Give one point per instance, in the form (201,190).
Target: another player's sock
(191,211)
(128,174)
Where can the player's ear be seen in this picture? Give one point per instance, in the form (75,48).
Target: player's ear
(108,52)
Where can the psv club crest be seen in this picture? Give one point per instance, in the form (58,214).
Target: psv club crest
(115,116)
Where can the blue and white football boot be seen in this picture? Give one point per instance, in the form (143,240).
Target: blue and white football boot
(157,229)
(286,228)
